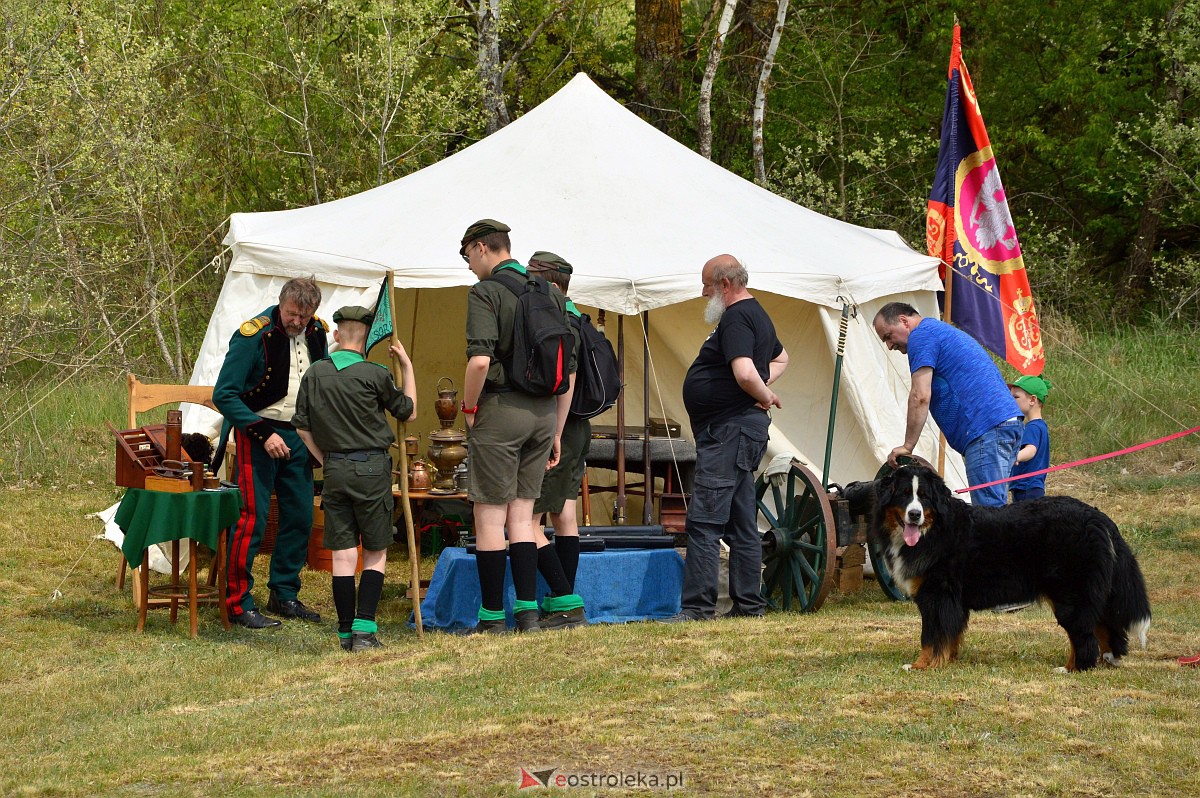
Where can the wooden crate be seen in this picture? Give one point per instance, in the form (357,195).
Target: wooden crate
(848,572)
(168,484)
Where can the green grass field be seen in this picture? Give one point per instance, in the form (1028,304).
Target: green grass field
(790,705)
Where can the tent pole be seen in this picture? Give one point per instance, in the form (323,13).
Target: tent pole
(647,469)
(837,382)
(414,556)
(619,503)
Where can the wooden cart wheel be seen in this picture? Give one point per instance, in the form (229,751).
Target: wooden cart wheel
(878,561)
(799,544)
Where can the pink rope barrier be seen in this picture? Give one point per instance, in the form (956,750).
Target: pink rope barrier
(1085,461)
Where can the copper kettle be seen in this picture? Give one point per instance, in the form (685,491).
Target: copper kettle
(419,477)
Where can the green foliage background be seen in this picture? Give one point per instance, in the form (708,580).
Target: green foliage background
(130,131)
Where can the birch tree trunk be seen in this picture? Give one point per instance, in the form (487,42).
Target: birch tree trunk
(490,71)
(760,97)
(710,72)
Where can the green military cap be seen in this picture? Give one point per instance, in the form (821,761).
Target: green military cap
(550,261)
(482,228)
(353,313)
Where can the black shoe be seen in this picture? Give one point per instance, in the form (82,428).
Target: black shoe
(740,613)
(485,628)
(364,641)
(291,608)
(346,642)
(680,617)
(564,620)
(527,621)
(253,619)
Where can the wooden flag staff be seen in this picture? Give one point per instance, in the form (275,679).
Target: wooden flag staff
(414,556)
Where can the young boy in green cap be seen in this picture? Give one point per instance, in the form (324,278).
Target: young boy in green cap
(1034,453)
(559,561)
(340,417)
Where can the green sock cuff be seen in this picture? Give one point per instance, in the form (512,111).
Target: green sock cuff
(566,603)
(521,606)
(345,635)
(491,615)
(364,626)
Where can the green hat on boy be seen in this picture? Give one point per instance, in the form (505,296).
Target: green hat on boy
(1034,386)
(353,313)
(549,261)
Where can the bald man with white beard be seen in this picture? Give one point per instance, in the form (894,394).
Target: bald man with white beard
(728,397)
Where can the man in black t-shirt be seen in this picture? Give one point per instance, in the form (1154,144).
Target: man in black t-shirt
(727,398)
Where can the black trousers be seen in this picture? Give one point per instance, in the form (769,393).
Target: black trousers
(727,454)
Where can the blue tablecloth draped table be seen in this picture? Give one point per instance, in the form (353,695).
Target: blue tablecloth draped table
(617,586)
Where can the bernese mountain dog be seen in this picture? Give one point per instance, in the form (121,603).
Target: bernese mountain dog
(951,558)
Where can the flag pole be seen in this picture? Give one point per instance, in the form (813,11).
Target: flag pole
(414,556)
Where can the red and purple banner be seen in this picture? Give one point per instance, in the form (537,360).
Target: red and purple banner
(968,226)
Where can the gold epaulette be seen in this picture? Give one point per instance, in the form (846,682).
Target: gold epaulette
(324,324)
(255,324)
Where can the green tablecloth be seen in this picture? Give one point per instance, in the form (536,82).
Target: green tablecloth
(152,516)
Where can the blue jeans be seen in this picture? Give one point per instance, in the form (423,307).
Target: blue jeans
(990,457)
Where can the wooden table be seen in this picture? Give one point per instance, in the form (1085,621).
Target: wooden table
(416,500)
(149,516)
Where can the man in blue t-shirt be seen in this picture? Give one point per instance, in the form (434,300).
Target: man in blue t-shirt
(1029,392)
(954,379)
(728,400)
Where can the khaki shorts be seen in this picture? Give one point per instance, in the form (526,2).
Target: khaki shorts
(509,447)
(357,502)
(561,483)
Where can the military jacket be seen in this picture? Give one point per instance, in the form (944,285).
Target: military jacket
(256,370)
(491,308)
(343,407)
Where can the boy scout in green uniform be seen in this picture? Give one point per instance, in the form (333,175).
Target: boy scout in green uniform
(559,561)
(340,418)
(512,434)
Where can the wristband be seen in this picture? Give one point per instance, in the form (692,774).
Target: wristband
(470,411)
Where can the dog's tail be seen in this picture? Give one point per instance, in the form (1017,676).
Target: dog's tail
(1128,609)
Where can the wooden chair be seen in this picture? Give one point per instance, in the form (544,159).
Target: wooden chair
(145,396)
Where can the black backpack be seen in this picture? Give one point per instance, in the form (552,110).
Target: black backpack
(597,380)
(540,359)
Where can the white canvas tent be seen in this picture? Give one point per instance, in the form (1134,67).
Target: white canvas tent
(637,214)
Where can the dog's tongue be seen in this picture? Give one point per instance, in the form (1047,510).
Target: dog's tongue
(912,534)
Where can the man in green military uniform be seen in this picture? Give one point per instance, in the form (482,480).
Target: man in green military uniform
(340,417)
(513,435)
(558,561)
(256,392)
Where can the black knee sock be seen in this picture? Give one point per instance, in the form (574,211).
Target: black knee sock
(370,588)
(490,565)
(551,569)
(343,600)
(524,559)
(567,549)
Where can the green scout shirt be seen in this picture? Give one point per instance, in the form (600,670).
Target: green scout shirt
(341,402)
(491,308)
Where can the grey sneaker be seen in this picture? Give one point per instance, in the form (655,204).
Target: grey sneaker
(363,641)
(564,620)
(679,617)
